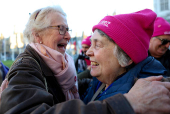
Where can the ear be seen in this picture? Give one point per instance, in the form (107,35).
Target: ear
(129,63)
(37,37)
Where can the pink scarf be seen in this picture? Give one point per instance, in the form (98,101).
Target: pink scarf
(62,67)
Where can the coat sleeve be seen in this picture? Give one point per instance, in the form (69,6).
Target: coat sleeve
(114,105)
(26,93)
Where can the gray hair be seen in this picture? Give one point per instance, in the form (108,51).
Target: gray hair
(122,57)
(39,20)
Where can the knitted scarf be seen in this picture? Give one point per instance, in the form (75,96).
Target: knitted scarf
(62,67)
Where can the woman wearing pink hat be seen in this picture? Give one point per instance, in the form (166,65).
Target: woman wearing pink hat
(83,62)
(119,54)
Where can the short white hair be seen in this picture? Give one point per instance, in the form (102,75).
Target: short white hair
(39,20)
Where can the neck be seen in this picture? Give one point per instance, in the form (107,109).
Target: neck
(108,84)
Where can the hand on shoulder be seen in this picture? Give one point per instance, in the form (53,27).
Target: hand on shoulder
(150,96)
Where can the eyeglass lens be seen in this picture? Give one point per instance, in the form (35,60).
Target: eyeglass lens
(63,29)
(164,42)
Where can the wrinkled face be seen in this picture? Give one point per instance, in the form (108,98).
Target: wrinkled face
(156,48)
(85,48)
(51,36)
(104,64)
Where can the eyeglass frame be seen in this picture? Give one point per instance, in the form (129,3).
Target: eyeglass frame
(163,41)
(59,28)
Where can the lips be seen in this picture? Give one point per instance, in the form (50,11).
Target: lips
(62,45)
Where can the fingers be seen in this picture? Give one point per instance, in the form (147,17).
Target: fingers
(154,78)
(158,78)
(166,84)
(4,84)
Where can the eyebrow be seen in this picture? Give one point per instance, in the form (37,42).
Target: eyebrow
(96,40)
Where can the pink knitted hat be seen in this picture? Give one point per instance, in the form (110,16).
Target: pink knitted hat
(131,32)
(161,27)
(87,41)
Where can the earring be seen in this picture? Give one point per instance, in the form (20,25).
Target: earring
(40,42)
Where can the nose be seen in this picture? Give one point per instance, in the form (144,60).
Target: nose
(90,52)
(67,36)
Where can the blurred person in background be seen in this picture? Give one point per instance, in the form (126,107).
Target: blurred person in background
(82,65)
(44,76)
(119,54)
(3,71)
(82,61)
(160,42)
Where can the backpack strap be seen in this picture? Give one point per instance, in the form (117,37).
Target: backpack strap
(98,91)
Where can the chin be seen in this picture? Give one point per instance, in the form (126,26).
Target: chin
(94,74)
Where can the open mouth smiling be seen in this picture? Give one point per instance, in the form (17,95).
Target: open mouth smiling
(94,63)
(62,45)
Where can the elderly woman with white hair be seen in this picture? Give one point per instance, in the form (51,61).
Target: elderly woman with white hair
(118,54)
(44,69)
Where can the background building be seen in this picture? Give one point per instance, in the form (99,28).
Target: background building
(162,8)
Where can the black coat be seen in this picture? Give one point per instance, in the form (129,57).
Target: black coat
(165,60)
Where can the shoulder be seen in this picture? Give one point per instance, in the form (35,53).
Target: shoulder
(25,61)
(24,65)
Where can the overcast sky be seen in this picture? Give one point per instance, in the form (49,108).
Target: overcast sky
(81,14)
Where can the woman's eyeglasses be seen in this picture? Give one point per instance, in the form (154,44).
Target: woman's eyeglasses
(164,41)
(62,29)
